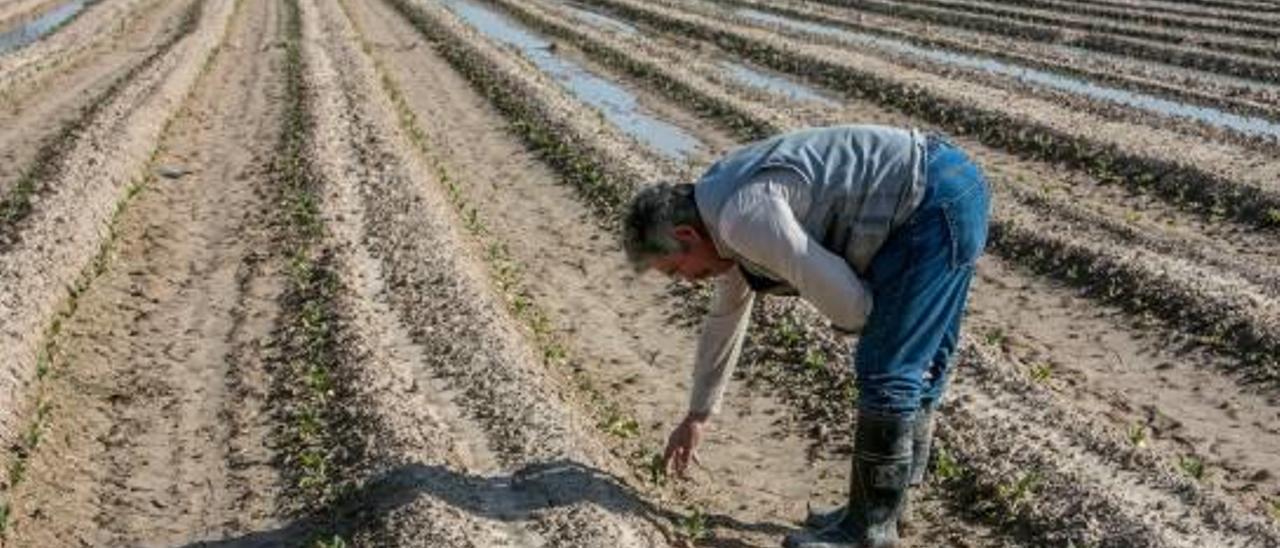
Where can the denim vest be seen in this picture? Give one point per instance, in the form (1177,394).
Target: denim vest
(865,181)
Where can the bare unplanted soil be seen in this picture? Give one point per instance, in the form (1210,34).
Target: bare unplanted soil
(344,272)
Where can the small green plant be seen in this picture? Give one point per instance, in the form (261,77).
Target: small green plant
(1017,493)
(996,336)
(814,360)
(619,425)
(1042,372)
(472,221)
(693,527)
(946,468)
(1192,466)
(18,470)
(1273,216)
(336,542)
(789,333)
(553,353)
(654,467)
(42,364)
(1137,435)
(1275,509)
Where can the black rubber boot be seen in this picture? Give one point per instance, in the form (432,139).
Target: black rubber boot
(921,446)
(877,487)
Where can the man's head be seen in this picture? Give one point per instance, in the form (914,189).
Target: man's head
(663,231)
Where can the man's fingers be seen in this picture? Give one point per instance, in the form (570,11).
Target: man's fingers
(674,458)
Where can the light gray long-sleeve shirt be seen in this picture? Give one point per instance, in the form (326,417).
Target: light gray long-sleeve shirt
(759,224)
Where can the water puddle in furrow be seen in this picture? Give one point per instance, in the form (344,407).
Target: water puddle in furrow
(601,20)
(774,84)
(1244,124)
(619,106)
(31,31)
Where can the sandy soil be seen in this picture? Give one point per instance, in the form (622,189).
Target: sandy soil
(54,89)
(502,378)
(47,250)
(158,422)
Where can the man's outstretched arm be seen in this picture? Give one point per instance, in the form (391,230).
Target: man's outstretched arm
(719,344)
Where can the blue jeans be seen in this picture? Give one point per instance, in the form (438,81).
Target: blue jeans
(919,282)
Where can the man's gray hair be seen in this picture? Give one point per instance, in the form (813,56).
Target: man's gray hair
(648,230)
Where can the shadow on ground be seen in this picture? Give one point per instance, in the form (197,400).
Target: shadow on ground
(514,497)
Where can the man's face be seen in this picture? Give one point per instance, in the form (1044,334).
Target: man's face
(698,261)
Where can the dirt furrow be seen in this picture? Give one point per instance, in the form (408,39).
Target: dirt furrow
(1066,473)
(1184,56)
(1192,88)
(1249,14)
(1238,42)
(157,387)
(21,72)
(556,486)
(1122,521)
(66,223)
(42,111)
(1255,27)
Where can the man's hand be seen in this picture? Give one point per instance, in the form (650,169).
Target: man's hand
(683,442)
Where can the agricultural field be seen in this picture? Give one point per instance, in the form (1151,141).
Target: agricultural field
(346,272)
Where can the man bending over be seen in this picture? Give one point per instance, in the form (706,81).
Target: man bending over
(879,228)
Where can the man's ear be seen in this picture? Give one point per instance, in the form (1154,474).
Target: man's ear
(687,234)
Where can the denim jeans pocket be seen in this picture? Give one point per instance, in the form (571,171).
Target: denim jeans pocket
(966,222)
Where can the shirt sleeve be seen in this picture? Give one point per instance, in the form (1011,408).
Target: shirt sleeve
(720,341)
(759,224)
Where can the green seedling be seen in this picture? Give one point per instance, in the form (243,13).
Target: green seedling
(1137,435)
(1041,372)
(553,353)
(789,333)
(656,469)
(18,470)
(693,527)
(946,468)
(814,360)
(619,425)
(336,542)
(42,364)
(1273,216)
(996,336)
(1019,492)
(1275,509)
(1192,466)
